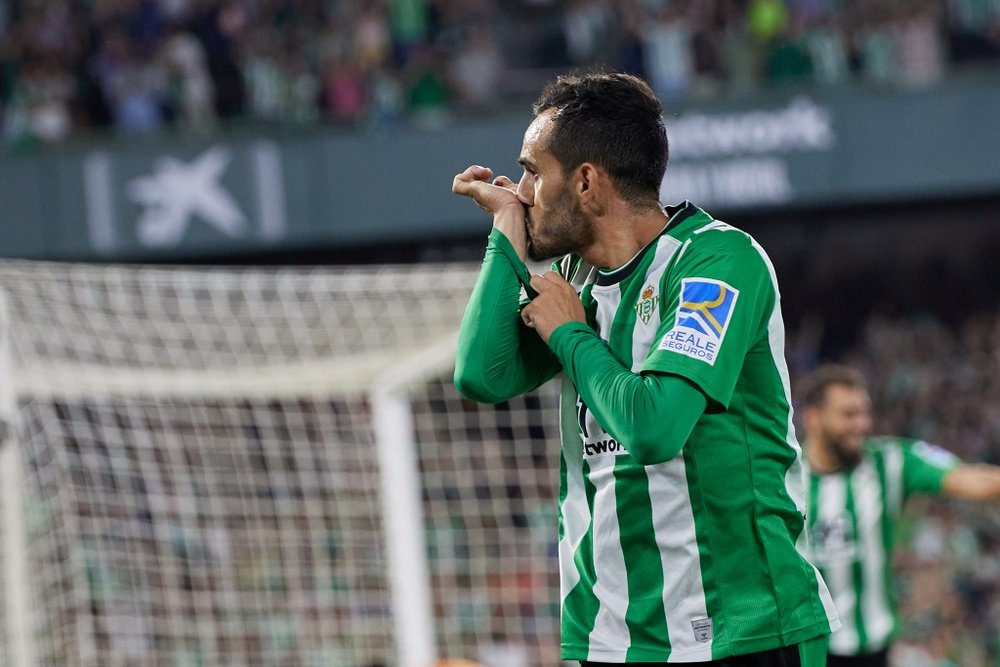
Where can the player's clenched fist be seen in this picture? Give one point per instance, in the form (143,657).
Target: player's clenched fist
(492,197)
(556,304)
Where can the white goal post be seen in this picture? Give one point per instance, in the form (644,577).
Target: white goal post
(264,466)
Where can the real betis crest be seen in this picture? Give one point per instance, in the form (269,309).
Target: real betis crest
(647,304)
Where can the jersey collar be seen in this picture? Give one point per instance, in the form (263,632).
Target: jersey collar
(677,214)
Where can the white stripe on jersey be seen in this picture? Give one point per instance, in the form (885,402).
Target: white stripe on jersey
(576,522)
(574,509)
(610,638)
(719,225)
(868,500)
(683,587)
(893,458)
(794,478)
(643,334)
(608,298)
(832,501)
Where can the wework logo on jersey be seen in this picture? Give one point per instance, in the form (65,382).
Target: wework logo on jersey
(606,446)
(596,441)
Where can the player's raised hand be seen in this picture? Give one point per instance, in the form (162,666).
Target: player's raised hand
(556,304)
(500,199)
(492,197)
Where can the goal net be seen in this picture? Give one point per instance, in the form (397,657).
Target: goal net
(264,467)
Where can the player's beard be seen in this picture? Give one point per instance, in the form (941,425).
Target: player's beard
(847,457)
(565,229)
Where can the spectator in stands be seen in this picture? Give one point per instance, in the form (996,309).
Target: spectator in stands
(304,91)
(740,53)
(825,44)
(875,46)
(372,41)
(345,89)
(386,101)
(265,77)
(46,90)
(133,85)
(189,88)
(667,51)
(706,51)
(585,25)
(858,485)
(408,28)
(428,96)
(919,44)
(787,59)
(475,69)
(221,29)
(626,40)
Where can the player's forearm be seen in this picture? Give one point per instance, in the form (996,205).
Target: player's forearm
(973,482)
(498,358)
(651,415)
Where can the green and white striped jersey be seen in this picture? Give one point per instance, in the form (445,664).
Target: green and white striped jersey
(852,523)
(693,559)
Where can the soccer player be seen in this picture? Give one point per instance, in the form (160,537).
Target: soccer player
(857,486)
(681,495)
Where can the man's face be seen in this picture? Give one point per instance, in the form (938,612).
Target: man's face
(841,423)
(556,224)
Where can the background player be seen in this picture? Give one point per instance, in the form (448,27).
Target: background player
(857,487)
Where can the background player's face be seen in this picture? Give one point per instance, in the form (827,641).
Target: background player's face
(556,224)
(842,422)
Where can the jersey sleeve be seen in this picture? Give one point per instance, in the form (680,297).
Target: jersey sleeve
(498,357)
(717,299)
(629,406)
(925,466)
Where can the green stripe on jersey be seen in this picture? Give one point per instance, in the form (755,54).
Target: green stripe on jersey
(646,618)
(857,572)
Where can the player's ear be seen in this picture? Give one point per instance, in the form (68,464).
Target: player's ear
(591,185)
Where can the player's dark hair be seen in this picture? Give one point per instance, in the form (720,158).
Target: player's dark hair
(613,120)
(818,383)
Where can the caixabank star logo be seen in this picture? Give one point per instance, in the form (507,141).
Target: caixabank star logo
(703,315)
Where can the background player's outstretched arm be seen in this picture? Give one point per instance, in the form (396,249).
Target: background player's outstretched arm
(973,482)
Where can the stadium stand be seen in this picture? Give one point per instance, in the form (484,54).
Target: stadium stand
(140,66)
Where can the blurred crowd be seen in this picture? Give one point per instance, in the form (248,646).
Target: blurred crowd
(929,379)
(144,65)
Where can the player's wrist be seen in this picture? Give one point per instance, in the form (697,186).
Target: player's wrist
(562,333)
(509,221)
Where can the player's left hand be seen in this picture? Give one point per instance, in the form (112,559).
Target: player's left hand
(556,304)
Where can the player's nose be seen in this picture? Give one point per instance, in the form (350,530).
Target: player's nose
(526,191)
